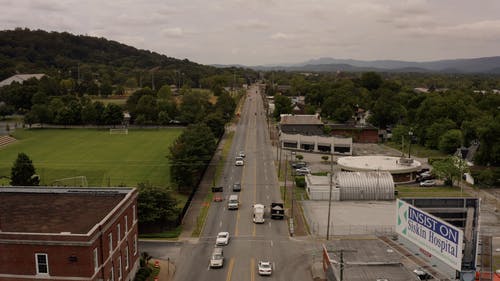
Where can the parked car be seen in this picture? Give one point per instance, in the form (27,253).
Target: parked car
(236,187)
(428,183)
(303,171)
(222,238)
(298,165)
(265,268)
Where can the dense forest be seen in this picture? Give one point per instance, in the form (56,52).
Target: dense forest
(88,60)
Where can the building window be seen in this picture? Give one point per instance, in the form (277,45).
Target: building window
(120,268)
(133,213)
(42,263)
(126,225)
(96,260)
(110,242)
(112,273)
(126,257)
(135,244)
(119,235)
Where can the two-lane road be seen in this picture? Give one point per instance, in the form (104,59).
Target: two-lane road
(249,242)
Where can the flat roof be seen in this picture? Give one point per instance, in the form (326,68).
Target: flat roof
(290,119)
(369,259)
(391,164)
(56,210)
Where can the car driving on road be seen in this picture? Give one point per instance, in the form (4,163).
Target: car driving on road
(265,268)
(239,161)
(222,239)
(236,187)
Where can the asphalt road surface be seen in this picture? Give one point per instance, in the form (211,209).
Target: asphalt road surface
(249,242)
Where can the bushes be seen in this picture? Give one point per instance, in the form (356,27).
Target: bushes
(300,181)
(143,273)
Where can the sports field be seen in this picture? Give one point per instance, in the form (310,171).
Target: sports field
(103,159)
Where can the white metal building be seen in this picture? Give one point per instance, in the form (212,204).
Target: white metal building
(351,186)
(365,185)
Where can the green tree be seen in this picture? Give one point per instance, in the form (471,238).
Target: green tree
(190,154)
(282,105)
(23,172)
(216,123)
(450,141)
(148,107)
(157,206)
(433,132)
(164,93)
(371,80)
(194,106)
(113,114)
(449,169)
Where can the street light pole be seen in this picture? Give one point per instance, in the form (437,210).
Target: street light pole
(410,134)
(330,197)
(284,192)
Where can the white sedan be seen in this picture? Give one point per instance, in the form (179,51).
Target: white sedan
(222,238)
(303,171)
(428,183)
(265,268)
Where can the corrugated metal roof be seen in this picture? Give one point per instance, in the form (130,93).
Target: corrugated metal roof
(364,179)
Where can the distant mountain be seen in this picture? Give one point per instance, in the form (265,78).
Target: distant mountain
(474,65)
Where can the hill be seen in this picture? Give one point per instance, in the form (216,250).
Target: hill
(64,54)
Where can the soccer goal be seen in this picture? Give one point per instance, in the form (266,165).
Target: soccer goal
(121,131)
(73,181)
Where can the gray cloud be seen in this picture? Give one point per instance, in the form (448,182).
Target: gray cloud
(267,31)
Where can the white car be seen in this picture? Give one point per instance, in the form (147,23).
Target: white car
(242,154)
(239,161)
(265,268)
(303,171)
(428,183)
(222,238)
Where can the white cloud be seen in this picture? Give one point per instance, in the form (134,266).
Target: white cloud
(281,36)
(175,32)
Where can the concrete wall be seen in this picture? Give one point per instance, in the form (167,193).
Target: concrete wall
(299,141)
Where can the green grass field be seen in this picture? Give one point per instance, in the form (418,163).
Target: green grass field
(104,159)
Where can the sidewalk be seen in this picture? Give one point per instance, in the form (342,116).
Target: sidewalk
(167,270)
(190,218)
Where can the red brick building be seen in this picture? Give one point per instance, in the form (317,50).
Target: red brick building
(68,233)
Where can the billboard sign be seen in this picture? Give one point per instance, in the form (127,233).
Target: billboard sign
(430,233)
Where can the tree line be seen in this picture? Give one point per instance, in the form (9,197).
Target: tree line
(444,119)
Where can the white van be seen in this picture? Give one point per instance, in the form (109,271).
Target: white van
(233,203)
(258,213)
(217,258)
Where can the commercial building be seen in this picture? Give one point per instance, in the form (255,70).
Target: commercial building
(68,233)
(350,186)
(402,169)
(306,132)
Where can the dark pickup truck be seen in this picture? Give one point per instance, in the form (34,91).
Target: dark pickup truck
(277,211)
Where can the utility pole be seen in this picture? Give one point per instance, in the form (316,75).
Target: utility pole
(341,262)
(410,136)
(330,196)
(284,193)
(279,158)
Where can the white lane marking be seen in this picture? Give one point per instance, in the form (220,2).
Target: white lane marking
(220,224)
(269,224)
(267,187)
(267,197)
(271,243)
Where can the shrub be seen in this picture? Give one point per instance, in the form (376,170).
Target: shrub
(299,157)
(300,182)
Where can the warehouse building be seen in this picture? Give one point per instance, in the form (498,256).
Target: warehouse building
(351,186)
(68,233)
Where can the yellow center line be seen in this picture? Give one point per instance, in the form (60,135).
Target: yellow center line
(252,269)
(230,269)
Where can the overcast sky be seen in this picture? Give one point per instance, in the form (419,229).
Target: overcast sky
(253,32)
